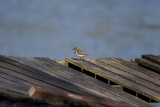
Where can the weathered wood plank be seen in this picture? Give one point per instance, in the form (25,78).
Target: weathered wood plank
(137,68)
(152,58)
(89,80)
(116,78)
(146,80)
(37,65)
(53,70)
(56,96)
(8,82)
(6,77)
(50,66)
(105,64)
(70,71)
(17,77)
(9,85)
(148,64)
(56,69)
(13,95)
(41,76)
(62,97)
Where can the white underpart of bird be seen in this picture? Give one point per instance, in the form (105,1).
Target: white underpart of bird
(79,55)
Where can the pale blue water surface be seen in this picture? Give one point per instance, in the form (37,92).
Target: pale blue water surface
(102,28)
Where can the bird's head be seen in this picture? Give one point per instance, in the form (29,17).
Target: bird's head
(75,48)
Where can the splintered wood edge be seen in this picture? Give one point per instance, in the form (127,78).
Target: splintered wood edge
(62,63)
(31,91)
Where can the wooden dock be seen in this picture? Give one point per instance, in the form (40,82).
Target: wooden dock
(103,79)
(129,77)
(150,62)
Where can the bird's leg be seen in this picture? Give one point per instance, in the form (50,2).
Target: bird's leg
(82,59)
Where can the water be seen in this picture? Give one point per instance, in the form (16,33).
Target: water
(102,28)
(156,104)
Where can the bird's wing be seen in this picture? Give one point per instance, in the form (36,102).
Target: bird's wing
(81,52)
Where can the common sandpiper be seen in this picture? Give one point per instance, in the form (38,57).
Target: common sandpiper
(79,53)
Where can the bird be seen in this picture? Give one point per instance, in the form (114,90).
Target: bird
(131,61)
(79,53)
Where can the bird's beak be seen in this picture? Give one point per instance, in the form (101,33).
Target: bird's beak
(72,49)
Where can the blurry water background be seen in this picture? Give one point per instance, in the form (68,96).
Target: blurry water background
(103,28)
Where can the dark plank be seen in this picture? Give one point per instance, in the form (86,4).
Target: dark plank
(138,75)
(148,64)
(116,78)
(26,80)
(13,95)
(37,65)
(53,68)
(8,82)
(137,68)
(11,86)
(41,76)
(152,58)
(3,74)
